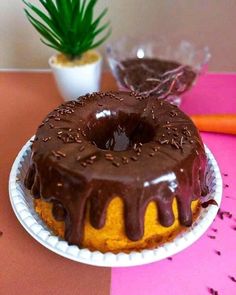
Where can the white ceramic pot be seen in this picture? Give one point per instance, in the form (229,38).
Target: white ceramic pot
(77,80)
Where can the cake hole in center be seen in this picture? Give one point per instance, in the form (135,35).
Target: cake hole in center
(118,131)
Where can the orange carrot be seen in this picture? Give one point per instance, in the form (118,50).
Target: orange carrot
(220,123)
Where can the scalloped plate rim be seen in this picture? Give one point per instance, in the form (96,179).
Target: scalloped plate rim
(121,259)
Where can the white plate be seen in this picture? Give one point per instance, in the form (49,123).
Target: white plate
(22,205)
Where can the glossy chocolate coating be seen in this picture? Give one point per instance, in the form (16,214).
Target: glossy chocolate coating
(103,145)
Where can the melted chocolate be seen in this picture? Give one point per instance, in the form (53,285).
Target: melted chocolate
(103,145)
(209,202)
(141,73)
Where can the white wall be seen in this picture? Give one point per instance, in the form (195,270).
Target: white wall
(211,22)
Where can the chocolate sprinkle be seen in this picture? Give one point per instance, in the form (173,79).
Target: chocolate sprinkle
(116,164)
(164,141)
(218,252)
(215,230)
(233,279)
(134,158)
(109,157)
(46,139)
(211,237)
(61,154)
(212,291)
(82,148)
(221,214)
(153,75)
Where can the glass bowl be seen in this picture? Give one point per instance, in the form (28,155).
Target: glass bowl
(156,66)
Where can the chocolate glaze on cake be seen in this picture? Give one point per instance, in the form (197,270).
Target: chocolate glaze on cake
(103,145)
(144,74)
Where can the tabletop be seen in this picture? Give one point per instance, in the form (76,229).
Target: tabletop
(26,267)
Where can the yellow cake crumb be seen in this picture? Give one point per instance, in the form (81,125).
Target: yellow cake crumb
(112,236)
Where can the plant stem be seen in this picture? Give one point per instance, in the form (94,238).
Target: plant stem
(72,57)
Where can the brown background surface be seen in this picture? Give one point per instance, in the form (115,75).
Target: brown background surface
(26,267)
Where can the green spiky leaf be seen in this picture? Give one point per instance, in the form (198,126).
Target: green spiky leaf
(68,26)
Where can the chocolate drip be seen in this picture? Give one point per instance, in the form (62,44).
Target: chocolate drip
(134,217)
(29,179)
(184,211)
(58,211)
(98,205)
(165,212)
(203,186)
(83,168)
(35,189)
(75,220)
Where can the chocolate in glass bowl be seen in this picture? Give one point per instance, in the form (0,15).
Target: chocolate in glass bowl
(156,67)
(145,75)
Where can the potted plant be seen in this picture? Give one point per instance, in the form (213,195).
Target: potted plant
(70,28)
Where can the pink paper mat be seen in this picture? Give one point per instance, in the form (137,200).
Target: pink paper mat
(211,261)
